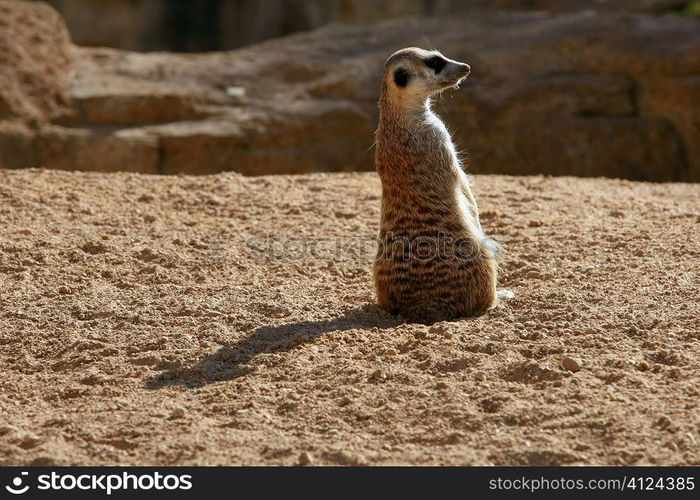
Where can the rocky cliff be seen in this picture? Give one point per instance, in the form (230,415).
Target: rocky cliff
(582,93)
(207,25)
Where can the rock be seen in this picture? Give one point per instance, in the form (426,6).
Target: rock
(7,429)
(146,198)
(200,25)
(43,461)
(35,54)
(177,412)
(128,24)
(345,457)
(441,329)
(29,441)
(126,106)
(663,422)
(542,98)
(16,145)
(676,99)
(123,150)
(479,375)
(305,458)
(308,137)
(571,364)
(505,294)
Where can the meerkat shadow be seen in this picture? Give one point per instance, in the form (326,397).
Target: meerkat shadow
(230,362)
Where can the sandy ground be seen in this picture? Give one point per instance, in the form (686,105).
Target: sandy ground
(212,320)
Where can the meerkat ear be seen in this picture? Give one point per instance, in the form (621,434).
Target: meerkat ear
(401,77)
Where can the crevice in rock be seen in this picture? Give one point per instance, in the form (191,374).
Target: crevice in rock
(160,167)
(682,169)
(634,96)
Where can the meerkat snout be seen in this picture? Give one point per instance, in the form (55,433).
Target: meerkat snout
(455,72)
(466,69)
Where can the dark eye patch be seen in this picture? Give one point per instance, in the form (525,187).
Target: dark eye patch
(401,77)
(436,63)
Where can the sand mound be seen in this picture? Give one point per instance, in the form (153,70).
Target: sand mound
(34,56)
(226,320)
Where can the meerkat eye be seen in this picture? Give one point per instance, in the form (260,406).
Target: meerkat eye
(401,77)
(435,63)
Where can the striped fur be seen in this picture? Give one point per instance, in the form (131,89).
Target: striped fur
(432,263)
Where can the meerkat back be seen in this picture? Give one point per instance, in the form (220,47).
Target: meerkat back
(432,263)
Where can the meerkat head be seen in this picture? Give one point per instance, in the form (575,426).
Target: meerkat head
(412,75)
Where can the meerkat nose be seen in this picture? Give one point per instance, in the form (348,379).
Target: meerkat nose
(467,69)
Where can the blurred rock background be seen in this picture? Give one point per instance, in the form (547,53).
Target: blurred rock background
(589,88)
(207,25)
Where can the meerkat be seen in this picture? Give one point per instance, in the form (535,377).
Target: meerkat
(434,262)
